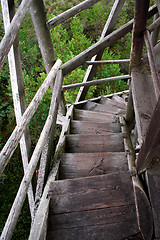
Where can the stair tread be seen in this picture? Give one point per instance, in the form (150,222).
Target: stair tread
(102,204)
(94,116)
(82,127)
(114,101)
(107,108)
(75,165)
(109,142)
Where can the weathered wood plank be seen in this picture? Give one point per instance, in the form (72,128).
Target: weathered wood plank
(153,183)
(86,127)
(15,137)
(75,165)
(95,82)
(94,116)
(70,13)
(110,142)
(140,20)
(90,193)
(106,108)
(149,152)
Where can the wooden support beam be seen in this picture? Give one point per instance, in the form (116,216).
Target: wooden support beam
(153,67)
(108,62)
(8,11)
(140,20)
(155,33)
(91,71)
(38,14)
(70,13)
(158,5)
(16,135)
(95,48)
(150,150)
(12,31)
(20,197)
(94,82)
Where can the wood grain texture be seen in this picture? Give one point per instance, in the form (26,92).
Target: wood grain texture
(103,208)
(107,108)
(74,165)
(94,116)
(110,142)
(84,127)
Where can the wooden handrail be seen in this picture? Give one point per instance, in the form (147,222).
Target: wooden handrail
(15,137)
(70,13)
(21,194)
(94,82)
(120,61)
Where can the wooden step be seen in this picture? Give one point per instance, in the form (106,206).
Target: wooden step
(86,127)
(94,116)
(113,103)
(107,108)
(111,142)
(75,165)
(120,101)
(99,207)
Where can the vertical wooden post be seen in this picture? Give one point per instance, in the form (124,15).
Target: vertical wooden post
(38,15)
(18,91)
(140,20)
(118,4)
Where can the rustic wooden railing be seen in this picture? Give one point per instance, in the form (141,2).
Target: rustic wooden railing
(13,141)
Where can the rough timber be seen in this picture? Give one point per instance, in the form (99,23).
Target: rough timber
(105,180)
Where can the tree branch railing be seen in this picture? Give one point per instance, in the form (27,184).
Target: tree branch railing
(15,137)
(70,13)
(95,82)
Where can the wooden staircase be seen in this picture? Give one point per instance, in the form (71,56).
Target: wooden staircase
(94,197)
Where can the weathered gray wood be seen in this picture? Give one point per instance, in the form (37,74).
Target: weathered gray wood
(95,48)
(143,207)
(12,31)
(153,67)
(158,6)
(109,142)
(106,108)
(20,197)
(39,226)
(18,92)
(15,137)
(86,127)
(154,25)
(140,20)
(153,183)
(107,29)
(130,115)
(120,101)
(70,13)
(94,116)
(95,82)
(155,32)
(121,61)
(75,165)
(100,204)
(114,103)
(38,14)
(149,153)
